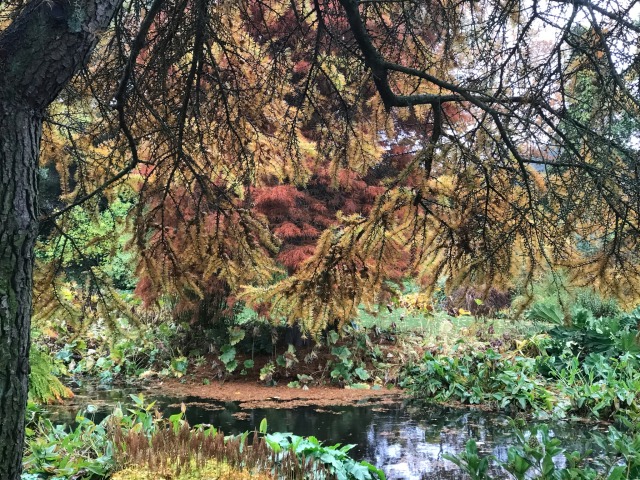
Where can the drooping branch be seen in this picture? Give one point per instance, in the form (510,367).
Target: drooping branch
(118,103)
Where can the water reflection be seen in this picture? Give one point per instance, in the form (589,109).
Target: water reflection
(406,441)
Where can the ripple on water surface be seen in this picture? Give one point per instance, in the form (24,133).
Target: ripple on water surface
(407,442)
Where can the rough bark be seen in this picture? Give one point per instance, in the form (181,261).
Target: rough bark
(19,144)
(39,53)
(46,44)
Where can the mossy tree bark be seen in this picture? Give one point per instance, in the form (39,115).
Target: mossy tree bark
(40,51)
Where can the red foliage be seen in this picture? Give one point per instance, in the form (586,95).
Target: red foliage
(291,256)
(309,231)
(298,216)
(144,290)
(302,67)
(288,230)
(277,202)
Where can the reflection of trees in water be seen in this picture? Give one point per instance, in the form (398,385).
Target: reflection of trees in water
(407,442)
(339,425)
(410,443)
(330,425)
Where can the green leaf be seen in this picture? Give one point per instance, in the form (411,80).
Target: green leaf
(546,313)
(547,465)
(228,354)
(231,366)
(360,386)
(343,353)
(374,470)
(333,337)
(362,373)
(236,335)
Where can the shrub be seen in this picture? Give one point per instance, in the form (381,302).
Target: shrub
(480,302)
(586,334)
(480,377)
(598,306)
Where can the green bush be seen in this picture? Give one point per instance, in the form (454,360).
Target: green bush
(598,306)
(588,333)
(480,378)
(596,386)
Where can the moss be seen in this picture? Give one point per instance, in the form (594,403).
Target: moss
(212,470)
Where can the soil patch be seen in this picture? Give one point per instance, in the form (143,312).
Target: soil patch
(252,395)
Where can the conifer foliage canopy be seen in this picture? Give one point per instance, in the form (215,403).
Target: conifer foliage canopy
(479,139)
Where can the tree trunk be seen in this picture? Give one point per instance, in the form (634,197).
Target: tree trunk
(19,145)
(40,51)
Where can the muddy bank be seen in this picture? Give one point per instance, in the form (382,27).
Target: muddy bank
(253,395)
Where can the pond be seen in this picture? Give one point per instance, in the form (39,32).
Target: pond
(405,440)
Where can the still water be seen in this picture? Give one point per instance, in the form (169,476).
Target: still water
(406,441)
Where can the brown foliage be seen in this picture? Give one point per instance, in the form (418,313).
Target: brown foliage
(170,451)
(375,140)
